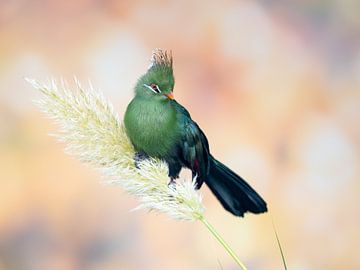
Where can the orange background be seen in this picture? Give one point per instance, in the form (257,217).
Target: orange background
(275,85)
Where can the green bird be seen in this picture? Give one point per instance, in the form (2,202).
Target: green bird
(158,126)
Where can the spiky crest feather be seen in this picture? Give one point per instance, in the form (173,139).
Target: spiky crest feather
(161,58)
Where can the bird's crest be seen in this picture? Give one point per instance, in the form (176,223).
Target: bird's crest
(161,59)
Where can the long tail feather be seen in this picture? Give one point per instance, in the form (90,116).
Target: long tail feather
(236,196)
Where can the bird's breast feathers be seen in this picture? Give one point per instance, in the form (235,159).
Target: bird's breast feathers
(152,127)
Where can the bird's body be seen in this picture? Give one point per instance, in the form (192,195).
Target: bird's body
(160,127)
(152,127)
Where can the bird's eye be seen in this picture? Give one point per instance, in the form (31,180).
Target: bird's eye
(155,87)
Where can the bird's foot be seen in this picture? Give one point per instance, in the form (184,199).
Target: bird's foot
(198,181)
(172,183)
(139,157)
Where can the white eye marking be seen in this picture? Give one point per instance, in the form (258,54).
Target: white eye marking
(153,87)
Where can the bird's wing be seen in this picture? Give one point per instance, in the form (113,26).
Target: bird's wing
(194,145)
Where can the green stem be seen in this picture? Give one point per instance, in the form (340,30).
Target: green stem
(223,243)
(279,244)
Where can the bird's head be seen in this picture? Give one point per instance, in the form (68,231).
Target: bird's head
(158,82)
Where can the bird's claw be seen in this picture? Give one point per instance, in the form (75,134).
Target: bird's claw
(139,157)
(172,182)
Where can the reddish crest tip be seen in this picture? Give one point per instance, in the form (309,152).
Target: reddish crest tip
(161,58)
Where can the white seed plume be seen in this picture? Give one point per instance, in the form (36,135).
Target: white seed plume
(93,133)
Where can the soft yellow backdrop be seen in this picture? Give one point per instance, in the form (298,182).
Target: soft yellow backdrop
(275,85)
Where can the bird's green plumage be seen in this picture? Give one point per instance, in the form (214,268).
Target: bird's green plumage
(152,126)
(160,127)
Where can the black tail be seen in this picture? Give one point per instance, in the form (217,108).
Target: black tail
(232,191)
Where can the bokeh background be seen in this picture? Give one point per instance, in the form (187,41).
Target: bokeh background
(275,85)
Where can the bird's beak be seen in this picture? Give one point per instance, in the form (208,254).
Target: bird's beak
(170,95)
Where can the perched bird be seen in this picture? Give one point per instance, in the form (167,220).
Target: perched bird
(158,126)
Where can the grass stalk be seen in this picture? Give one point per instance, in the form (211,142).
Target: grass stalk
(279,244)
(226,246)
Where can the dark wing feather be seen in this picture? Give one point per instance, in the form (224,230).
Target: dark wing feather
(194,145)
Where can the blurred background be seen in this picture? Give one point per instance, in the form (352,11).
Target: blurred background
(275,85)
